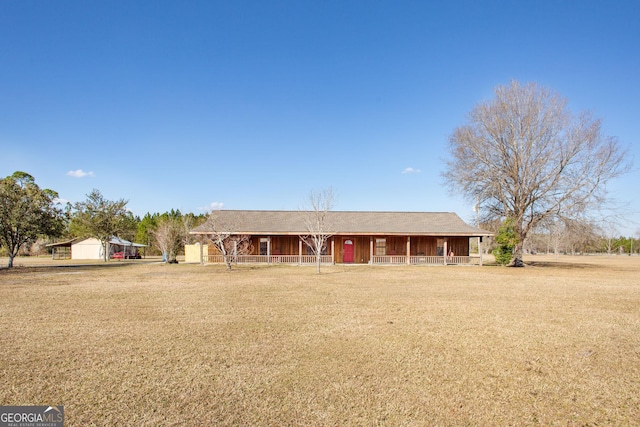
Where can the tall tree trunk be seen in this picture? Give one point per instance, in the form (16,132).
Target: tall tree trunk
(227,262)
(318,259)
(517,256)
(517,260)
(225,256)
(10,265)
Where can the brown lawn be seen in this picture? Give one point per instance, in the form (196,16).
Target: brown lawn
(556,343)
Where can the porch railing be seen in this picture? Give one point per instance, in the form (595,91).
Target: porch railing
(326,259)
(424,260)
(427,260)
(389,259)
(440,260)
(268,259)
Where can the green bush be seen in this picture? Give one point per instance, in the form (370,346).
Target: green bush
(506,241)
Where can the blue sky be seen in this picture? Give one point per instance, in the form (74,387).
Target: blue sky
(253,104)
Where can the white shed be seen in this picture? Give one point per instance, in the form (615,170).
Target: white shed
(92,248)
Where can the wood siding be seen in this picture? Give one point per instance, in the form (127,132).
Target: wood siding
(459,246)
(420,245)
(361,249)
(285,245)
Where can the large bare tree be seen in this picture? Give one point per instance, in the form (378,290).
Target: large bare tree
(315,215)
(524,155)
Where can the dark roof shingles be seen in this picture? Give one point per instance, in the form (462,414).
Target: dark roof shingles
(348,222)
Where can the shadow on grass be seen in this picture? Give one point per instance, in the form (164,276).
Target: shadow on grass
(563,265)
(19,268)
(548,264)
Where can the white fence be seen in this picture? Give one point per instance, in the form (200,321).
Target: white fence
(268,259)
(326,259)
(425,260)
(389,259)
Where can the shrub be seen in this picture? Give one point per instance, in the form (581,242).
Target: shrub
(506,240)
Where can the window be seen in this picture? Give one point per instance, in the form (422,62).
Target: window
(381,247)
(264,245)
(440,247)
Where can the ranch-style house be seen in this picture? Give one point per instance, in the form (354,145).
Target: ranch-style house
(355,238)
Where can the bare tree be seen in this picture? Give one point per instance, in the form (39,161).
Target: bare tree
(555,232)
(609,232)
(568,235)
(229,244)
(524,155)
(580,234)
(315,216)
(170,234)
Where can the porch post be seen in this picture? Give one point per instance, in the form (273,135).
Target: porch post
(480,249)
(446,250)
(370,249)
(201,248)
(408,250)
(269,250)
(333,250)
(299,250)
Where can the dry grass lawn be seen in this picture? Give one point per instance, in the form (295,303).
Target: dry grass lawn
(556,343)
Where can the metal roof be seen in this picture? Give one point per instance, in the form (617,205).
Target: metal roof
(113,241)
(60,244)
(258,222)
(121,242)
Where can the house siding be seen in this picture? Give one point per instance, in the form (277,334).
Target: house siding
(458,245)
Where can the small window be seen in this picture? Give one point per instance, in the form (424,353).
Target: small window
(381,247)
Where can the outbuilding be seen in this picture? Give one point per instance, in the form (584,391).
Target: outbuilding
(92,248)
(61,250)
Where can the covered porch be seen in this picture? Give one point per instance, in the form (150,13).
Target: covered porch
(371,250)
(410,250)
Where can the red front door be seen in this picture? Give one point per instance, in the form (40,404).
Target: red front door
(347,247)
